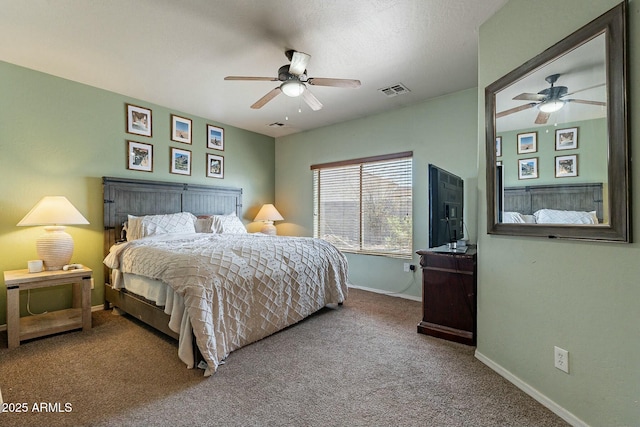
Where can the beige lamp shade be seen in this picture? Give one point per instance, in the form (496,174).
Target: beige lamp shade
(267,214)
(55,246)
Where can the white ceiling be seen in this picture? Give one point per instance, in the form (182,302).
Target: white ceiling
(177,53)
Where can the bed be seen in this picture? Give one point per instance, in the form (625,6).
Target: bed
(178,258)
(553,204)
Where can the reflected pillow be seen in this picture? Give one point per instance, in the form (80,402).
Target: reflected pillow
(512,218)
(553,216)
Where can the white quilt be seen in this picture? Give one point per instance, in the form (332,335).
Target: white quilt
(238,289)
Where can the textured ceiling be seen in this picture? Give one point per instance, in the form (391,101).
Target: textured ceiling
(177,53)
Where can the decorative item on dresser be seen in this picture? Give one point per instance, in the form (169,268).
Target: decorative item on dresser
(79,316)
(55,247)
(449,290)
(267,214)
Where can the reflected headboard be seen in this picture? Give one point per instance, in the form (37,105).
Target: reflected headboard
(570,197)
(124,197)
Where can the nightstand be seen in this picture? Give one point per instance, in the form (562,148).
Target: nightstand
(76,317)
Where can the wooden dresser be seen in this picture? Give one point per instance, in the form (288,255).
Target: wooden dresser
(449,289)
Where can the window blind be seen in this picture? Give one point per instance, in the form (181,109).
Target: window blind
(365,205)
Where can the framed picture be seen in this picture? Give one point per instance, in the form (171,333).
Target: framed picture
(528,168)
(498,146)
(139,156)
(180,129)
(180,161)
(215,166)
(566,139)
(527,142)
(138,120)
(215,137)
(566,166)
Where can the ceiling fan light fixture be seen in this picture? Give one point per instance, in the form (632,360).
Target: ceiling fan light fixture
(292,88)
(550,106)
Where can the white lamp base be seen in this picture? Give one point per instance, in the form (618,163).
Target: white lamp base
(269,228)
(55,247)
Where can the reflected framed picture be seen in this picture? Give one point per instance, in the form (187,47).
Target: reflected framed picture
(180,161)
(138,120)
(498,146)
(566,166)
(139,156)
(527,142)
(528,168)
(566,139)
(215,166)
(180,129)
(215,137)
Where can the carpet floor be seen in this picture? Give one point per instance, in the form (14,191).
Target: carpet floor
(360,364)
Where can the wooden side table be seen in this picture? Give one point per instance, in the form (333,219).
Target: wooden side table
(76,317)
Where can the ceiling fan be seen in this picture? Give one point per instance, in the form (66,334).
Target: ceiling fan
(548,100)
(293,77)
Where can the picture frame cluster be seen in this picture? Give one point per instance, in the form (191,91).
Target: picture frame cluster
(140,155)
(527,143)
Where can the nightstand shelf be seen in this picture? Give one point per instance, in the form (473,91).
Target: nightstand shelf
(28,327)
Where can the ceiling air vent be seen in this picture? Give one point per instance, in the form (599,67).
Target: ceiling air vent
(394,90)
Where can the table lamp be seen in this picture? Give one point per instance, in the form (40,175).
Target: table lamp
(55,246)
(267,214)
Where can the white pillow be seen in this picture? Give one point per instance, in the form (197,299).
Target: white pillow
(552,216)
(512,218)
(228,224)
(150,225)
(529,219)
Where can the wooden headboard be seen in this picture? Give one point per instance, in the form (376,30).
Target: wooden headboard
(124,197)
(571,197)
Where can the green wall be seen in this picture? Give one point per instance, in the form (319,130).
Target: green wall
(536,293)
(58,137)
(441,131)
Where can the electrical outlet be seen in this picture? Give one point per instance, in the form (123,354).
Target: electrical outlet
(561,359)
(409,267)
(93,284)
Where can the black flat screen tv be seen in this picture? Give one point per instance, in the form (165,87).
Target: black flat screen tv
(446,209)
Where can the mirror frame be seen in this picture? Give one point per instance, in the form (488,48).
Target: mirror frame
(613,23)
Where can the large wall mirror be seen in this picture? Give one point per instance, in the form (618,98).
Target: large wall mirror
(557,149)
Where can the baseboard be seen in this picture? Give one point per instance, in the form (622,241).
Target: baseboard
(3,327)
(97,307)
(544,400)
(393,294)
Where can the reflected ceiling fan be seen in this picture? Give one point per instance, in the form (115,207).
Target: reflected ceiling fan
(548,100)
(294,81)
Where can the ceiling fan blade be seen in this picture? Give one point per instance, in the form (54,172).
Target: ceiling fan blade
(530,97)
(542,118)
(268,97)
(261,79)
(299,62)
(515,109)
(584,101)
(586,88)
(311,100)
(318,81)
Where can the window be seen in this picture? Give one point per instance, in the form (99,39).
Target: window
(364,205)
